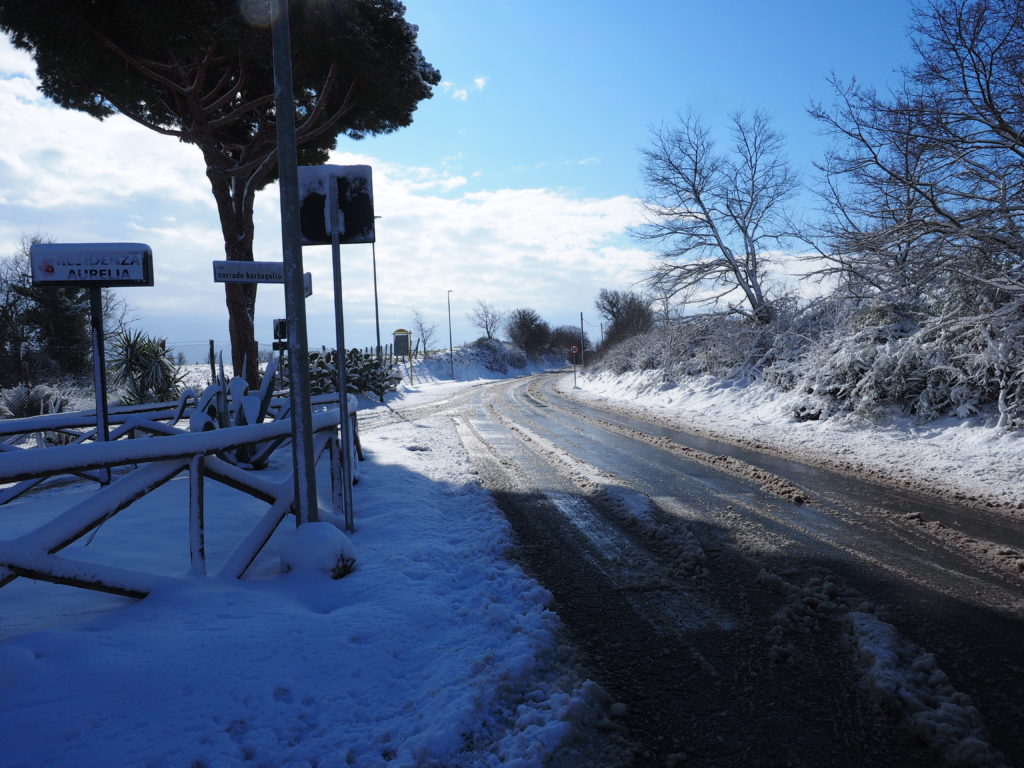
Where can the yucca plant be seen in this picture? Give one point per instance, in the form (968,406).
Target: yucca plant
(142,368)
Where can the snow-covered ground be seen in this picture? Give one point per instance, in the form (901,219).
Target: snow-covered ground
(964,459)
(435,651)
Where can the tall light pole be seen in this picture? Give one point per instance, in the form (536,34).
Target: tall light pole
(376,309)
(451,347)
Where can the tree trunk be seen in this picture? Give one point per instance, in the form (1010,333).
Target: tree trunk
(235,211)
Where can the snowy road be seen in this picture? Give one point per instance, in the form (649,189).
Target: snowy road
(747,610)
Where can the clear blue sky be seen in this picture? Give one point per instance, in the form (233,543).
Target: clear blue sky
(515,184)
(573,86)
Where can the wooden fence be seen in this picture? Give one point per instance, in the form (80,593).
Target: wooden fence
(160,453)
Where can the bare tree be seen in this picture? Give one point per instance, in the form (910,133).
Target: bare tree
(424,331)
(715,215)
(486,317)
(628,314)
(528,331)
(927,185)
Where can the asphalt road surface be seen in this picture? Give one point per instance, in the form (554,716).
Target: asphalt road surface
(744,610)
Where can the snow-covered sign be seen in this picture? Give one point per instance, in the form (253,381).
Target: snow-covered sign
(256,272)
(352,188)
(91,264)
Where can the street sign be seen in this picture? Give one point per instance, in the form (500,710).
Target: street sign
(94,266)
(256,272)
(574,349)
(99,265)
(353,193)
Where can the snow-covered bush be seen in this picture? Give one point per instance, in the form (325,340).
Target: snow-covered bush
(363,374)
(871,358)
(889,359)
(366,373)
(715,345)
(493,355)
(23,401)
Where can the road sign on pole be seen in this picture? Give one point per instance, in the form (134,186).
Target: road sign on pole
(94,266)
(256,272)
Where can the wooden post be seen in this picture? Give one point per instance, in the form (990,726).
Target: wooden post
(196,522)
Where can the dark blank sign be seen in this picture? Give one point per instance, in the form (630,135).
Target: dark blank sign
(354,194)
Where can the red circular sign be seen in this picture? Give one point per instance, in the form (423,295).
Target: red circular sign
(573,349)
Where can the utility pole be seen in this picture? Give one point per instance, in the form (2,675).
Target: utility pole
(376,307)
(581,342)
(451,347)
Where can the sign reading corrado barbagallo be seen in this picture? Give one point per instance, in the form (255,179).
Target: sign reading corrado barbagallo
(256,272)
(92,264)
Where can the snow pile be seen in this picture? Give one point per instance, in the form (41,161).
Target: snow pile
(965,458)
(434,651)
(913,689)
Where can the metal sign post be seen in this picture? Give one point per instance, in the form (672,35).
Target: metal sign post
(94,266)
(295,307)
(574,350)
(337,208)
(99,367)
(339,329)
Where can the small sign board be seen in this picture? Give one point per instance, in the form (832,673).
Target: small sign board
(402,342)
(574,349)
(92,264)
(353,194)
(256,272)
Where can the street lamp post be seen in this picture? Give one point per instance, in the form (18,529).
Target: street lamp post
(376,308)
(451,347)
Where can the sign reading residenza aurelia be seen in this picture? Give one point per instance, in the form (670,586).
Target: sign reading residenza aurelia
(92,264)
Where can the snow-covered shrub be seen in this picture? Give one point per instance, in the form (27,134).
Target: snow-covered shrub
(23,401)
(363,374)
(889,359)
(492,354)
(717,345)
(366,373)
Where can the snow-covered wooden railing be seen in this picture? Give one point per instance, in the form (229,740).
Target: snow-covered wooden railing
(80,426)
(125,422)
(34,554)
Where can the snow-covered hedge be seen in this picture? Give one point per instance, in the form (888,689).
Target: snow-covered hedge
(872,359)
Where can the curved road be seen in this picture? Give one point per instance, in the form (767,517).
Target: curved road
(744,610)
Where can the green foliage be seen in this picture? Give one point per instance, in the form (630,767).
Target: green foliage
(142,368)
(44,330)
(323,372)
(363,374)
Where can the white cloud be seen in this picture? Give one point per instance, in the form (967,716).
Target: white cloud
(460,94)
(81,180)
(479,83)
